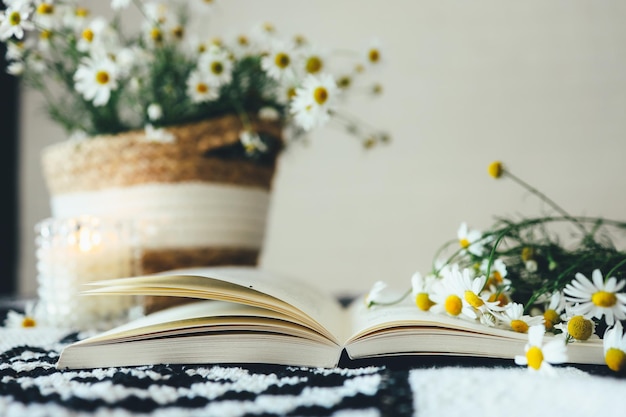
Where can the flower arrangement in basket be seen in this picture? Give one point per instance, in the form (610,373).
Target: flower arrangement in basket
(522,275)
(171,127)
(98,79)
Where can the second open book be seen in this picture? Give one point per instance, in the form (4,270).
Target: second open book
(261,317)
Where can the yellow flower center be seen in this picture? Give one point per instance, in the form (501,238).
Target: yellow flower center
(102,77)
(551,317)
(15,18)
(464,243)
(178,32)
(217,67)
(527,254)
(453,305)
(369,143)
(243,40)
(423,302)
(495,169)
(217,41)
(45,8)
(344,82)
(374,55)
(519,326)
(156,35)
(45,34)
(473,300)
(268,27)
(88,35)
(202,88)
(299,40)
(320,95)
(29,322)
(500,298)
(534,356)
(291,93)
(313,65)
(282,60)
(359,68)
(580,328)
(604,299)
(81,12)
(615,359)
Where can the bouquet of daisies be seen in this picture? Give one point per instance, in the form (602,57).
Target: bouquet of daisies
(522,275)
(98,78)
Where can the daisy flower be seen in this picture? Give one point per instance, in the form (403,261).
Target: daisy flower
(541,357)
(217,65)
(420,288)
(313,61)
(97,35)
(154,111)
(552,314)
(14,21)
(95,78)
(263,34)
(15,51)
(614,343)
(75,18)
(268,113)
(470,240)
(513,316)
(158,135)
(375,294)
(252,142)
(597,298)
(278,63)
(47,15)
(119,4)
(16,320)
(199,88)
(373,53)
(314,101)
(578,327)
(497,273)
(458,293)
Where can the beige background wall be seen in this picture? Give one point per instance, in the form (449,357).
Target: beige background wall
(540,85)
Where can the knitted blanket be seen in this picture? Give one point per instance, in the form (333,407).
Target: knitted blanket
(32,386)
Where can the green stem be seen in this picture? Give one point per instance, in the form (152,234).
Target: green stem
(546,199)
(390,303)
(608,275)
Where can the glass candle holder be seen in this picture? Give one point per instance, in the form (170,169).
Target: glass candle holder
(73,252)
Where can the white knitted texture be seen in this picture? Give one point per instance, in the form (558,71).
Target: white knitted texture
(488,392)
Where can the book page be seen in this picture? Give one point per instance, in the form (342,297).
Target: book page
(369,320)
(405,329)
(247,285)
(204,317)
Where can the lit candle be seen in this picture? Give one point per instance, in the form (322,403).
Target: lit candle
(73,252)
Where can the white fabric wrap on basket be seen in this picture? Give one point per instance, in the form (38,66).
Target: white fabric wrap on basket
(188,214)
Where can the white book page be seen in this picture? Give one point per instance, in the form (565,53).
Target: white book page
(365,321)
(241,284)
(205,316)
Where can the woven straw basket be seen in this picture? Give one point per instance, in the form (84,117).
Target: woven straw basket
(126,161)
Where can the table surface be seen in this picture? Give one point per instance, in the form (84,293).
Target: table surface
(403,386)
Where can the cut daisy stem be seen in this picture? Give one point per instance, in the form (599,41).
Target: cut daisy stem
(547,200)
(390,303)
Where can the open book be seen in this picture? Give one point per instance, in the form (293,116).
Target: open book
(259,317)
